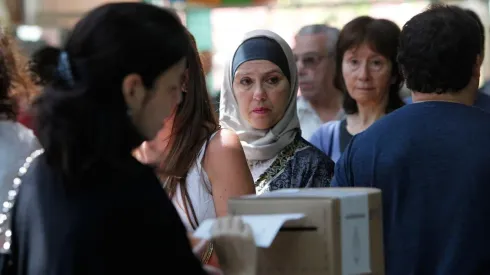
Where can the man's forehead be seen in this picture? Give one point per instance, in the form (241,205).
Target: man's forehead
(310,43)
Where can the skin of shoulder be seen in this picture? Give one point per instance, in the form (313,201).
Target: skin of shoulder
(227,169)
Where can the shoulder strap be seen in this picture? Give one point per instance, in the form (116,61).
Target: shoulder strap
(204,149)
(186,199)
(8,204)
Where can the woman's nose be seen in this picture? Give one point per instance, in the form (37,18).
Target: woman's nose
(259,93)
(364,72)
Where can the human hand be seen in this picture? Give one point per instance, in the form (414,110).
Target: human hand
(211,270)
(234,244)
(199,247)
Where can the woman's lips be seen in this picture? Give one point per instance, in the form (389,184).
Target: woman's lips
(305,86)
(261,111)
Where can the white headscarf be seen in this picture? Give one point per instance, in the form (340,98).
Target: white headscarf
(260,144)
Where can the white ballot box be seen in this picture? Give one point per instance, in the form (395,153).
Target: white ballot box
(327,231)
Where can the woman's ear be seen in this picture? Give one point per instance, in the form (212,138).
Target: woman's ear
(134,93)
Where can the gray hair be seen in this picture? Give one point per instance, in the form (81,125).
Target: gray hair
(331,33)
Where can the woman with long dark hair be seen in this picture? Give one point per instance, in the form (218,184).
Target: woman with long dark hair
(86,206)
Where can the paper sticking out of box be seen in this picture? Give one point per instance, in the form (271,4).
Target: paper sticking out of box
(264,227)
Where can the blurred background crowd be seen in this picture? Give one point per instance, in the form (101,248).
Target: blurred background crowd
(218,24)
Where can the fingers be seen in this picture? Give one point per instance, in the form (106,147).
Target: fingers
(212,270)
(198,248)
(236,224)
(230,225)
(216,228)
(247,231)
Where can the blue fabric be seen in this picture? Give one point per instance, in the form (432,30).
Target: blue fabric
(482,101)
(431,161)
(298,165)
(261,48)
(326,138)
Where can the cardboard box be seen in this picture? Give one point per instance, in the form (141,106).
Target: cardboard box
(340,234)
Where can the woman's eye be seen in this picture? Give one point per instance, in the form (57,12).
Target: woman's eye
(377,64)
(245,81)
(273,80)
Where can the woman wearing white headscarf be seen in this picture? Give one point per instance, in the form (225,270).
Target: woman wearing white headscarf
(258,102)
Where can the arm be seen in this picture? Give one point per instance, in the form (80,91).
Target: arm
(227,170)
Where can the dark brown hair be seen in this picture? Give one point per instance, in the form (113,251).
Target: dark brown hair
(438,50)
(15,82)
(382,36)
(82,118)
(194,123)
(43,65)
(475,16)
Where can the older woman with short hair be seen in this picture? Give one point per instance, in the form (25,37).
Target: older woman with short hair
(367,73)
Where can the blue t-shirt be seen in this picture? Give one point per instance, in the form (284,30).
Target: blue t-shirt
(432,162)
(482,100)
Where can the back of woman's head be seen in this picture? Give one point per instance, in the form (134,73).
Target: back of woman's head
(43,64)
(15,83)
(82,116)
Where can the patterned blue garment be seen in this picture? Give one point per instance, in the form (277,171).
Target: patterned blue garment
(298,165)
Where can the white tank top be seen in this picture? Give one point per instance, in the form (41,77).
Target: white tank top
(199,190)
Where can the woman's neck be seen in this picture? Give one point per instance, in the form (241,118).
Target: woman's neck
(365,117)
(152,152)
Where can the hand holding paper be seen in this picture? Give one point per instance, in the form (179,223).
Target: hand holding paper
(234,244)
(264,227)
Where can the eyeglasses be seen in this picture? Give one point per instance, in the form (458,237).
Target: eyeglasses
(309,61)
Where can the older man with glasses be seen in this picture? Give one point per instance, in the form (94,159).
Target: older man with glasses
(319,101)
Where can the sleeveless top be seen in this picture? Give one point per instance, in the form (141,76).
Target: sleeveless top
(199,190)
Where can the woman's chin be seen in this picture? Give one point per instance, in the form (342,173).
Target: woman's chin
(260,125)
(367,100)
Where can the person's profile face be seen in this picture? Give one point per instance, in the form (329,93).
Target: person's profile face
(164,97)
(150,107)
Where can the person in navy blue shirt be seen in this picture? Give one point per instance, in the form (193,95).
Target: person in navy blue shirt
(431,159)
(482,100)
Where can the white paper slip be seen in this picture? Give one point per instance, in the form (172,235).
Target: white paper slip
(264,227)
